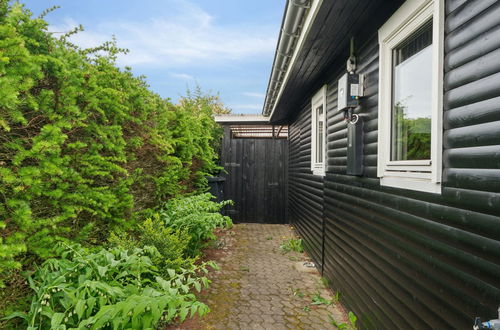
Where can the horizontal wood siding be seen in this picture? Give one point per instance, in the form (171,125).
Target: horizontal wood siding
(404,259)
(305,189)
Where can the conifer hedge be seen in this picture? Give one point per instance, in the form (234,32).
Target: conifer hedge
(85,147)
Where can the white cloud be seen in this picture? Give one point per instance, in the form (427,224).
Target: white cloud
(253,94)
(182,76)
(187,36)
(85,39)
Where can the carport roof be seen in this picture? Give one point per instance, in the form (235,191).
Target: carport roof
(241,119)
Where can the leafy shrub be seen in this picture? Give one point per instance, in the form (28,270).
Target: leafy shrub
(115,288)
(85,147)
(171,244)
(197,215)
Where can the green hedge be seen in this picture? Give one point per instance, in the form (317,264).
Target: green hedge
(86,147)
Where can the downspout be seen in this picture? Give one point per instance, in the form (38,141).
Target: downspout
(290,31)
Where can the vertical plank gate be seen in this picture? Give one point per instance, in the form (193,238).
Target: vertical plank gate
(256,177)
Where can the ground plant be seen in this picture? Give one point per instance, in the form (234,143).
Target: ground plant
(110,288)
(317,299)
(298,293)
(292,244)
(350,325)
(336,297)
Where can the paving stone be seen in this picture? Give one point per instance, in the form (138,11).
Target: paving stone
(255,286)
(267,318)
(273,326)
(232,325)
(243,325)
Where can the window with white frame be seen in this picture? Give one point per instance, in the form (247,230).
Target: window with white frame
(410,97)
(318,132)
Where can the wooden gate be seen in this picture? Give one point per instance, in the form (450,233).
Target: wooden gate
(256,174)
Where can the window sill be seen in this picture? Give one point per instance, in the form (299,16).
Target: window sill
(424,185)
(318,172)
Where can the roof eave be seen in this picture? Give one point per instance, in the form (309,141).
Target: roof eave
(282,67)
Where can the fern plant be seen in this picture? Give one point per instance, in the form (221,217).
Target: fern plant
(197,215)
(172,245)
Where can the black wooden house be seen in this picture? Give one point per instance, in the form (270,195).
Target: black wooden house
(392,174)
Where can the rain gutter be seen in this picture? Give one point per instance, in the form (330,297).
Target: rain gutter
(297,21)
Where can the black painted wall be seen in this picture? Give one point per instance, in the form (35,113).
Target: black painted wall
(404,259)
(305,189)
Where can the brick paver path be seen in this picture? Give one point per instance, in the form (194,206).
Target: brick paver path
(259,287)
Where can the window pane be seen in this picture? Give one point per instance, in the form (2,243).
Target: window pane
(412,81)
(319,134)
(319,153)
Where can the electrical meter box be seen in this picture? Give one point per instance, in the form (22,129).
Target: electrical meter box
(350,89)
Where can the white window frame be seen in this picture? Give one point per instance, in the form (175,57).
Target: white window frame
(318,168)
(421,175)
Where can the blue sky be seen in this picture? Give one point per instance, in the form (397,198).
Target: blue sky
(224,46)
